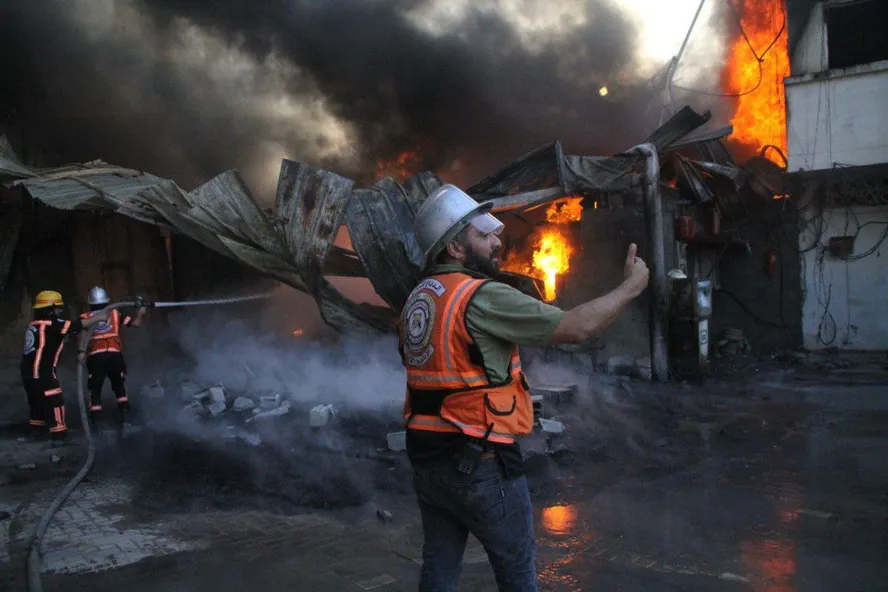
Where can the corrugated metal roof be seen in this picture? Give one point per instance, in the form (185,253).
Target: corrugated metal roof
(85,189)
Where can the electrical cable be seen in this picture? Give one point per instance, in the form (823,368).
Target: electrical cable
(759,59)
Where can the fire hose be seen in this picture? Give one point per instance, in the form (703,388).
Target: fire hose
(33,567)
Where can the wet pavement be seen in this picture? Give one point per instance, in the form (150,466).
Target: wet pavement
(778,482)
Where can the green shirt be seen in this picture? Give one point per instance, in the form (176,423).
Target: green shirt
(499,316)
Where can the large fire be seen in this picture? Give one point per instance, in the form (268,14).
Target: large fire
(405,164)
(756,66)
(551,249)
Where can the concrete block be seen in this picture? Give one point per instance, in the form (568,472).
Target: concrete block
(262,415)
(320,415)
(267,402)
(397,441)
(216,408)
(217,394)
(551,426)
(243,404)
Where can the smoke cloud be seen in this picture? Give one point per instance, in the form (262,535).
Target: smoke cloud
(186,89)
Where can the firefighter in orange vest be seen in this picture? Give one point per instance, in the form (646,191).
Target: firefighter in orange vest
(467,400)
(103,353)
(44,341)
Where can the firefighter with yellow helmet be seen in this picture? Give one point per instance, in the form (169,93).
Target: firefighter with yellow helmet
(467,399)
(44,341)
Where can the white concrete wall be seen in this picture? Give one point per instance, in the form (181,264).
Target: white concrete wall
(857,291)
(838,118)
(810,54)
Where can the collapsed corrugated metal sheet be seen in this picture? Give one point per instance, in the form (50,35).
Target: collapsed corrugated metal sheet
(294,242)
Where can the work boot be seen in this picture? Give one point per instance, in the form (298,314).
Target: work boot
(58,439)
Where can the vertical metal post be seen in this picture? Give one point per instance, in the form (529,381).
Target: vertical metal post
(659,295)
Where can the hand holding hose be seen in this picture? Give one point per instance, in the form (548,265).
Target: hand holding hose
(142,302)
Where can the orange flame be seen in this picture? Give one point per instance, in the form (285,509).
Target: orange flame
(569,209)
(552,259)
(298,332)
(552,249)
(407,163)
(760,117)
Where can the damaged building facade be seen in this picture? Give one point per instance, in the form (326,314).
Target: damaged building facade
(838,159)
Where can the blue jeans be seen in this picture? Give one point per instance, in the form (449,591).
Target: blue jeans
(494,509)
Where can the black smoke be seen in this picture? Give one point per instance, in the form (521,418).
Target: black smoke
(127,82)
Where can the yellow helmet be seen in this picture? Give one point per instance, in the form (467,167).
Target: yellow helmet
(47,298)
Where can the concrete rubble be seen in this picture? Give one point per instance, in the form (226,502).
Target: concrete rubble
(320,415)
(243,404)
(397,441)
(551,426)
(277,412)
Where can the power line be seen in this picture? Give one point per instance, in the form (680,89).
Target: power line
(759,58)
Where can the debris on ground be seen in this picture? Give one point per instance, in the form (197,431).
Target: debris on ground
(320,415)
(384,515)
(27,467)
(243,404)
(282,410)
(397,441)
(216,408)
(55,458)
(267,402)
(551,426)
(734,342)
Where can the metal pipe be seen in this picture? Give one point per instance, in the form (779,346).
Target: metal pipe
(653,207)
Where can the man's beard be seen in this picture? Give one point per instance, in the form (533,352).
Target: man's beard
(481,264)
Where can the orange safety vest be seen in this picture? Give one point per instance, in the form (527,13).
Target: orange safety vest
(106,334)
(447,385)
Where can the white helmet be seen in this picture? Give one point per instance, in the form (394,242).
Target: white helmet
(445,212)
(98,295)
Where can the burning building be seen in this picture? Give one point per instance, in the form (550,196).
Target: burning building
(705,223)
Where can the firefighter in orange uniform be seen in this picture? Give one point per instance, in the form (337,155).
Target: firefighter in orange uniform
(103,354)
(467,399)
(44,341)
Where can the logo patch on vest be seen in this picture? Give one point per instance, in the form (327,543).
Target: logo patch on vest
(101,327)
(30,340)
(419,319)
